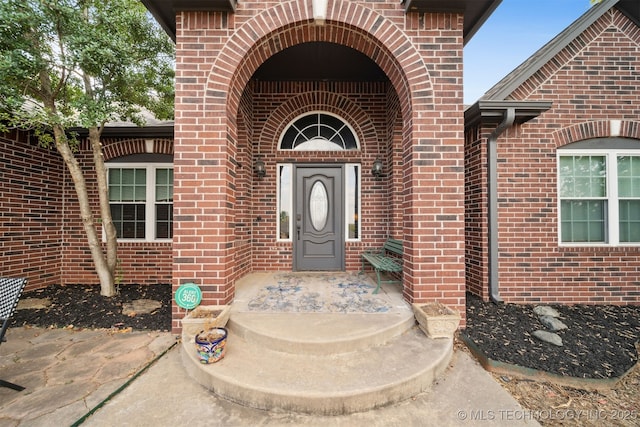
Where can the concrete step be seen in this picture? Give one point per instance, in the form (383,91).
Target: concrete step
(328,382)
(313,333)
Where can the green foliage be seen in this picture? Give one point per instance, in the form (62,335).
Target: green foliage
(82,63)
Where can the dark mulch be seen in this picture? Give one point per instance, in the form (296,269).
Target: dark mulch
(599,342)
(82,306)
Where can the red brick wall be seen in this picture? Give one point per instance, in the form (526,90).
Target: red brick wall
(30,211)
(41,233)
(420,138)
(145,263)
(591,82)
(243,224)
(476,211)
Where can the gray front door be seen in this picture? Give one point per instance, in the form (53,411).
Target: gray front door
(318,238)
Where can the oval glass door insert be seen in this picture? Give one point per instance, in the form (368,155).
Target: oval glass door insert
(318,206)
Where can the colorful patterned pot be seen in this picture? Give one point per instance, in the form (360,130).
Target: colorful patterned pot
(210,345)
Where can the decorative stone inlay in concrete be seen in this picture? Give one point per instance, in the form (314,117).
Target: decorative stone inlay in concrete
(300,293)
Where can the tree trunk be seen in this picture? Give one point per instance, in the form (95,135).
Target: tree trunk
(107,286)
(105,208)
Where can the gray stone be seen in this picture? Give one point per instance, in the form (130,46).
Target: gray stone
(140,306)
(549,337)
(33,303)
(552,323)
(545,310)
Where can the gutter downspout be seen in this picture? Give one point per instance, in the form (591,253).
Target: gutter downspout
(492,182)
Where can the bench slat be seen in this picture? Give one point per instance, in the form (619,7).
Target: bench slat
(383,263)
(393,245)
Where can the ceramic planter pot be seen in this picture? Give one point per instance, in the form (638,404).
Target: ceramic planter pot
(211,345)
(436,319)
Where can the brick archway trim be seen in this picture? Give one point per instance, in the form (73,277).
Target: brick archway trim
(596,129)
(320,101)
(125,147)
(347,23)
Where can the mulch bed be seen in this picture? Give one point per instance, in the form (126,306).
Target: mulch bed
(598,344)
(82,306)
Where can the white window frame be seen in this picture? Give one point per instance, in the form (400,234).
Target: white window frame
(612,223)
(319,144)
(346,203)
(279,191)
(150,202)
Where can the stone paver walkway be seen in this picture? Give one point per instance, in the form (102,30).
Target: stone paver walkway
(66,373)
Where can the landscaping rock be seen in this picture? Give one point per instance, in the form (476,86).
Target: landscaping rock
(549,337)
(545,310)
(33,303)
(140,306)
(552,323)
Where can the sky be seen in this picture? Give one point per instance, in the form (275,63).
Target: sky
(515,30)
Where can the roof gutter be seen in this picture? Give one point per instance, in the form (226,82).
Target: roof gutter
(505,114)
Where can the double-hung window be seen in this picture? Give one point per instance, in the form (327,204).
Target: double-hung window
(141,200)
(599,196)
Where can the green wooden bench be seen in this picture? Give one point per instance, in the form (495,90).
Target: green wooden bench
(387,259)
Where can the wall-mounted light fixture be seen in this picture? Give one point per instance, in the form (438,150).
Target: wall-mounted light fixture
(259,168)
(376,169)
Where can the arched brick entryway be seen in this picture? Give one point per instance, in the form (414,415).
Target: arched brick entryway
(426,145)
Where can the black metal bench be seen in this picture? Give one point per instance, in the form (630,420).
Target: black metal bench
(387,259)
(10,291)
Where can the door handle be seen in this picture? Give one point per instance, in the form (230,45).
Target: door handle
(298,230)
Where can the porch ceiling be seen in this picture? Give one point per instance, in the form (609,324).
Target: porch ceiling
(320,61)
(475,12)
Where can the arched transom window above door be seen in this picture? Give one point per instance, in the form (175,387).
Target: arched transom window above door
(318,131)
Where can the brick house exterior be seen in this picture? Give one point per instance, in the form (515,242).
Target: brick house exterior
(42,237)
(579,94)
(461,232)
(31,206)
(228,116)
